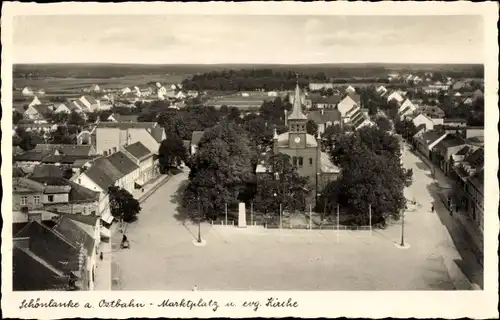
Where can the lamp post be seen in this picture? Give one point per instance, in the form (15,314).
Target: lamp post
(403,228)
(199,221)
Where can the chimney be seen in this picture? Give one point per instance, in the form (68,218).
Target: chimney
(23,242)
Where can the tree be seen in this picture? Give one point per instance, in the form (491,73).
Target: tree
(76,119)
(283,181)
(28,140)
(383,123)
(123,205)
(171,153)
(220,169)
(16,117)
(372,174)
(312,127)
(62,136)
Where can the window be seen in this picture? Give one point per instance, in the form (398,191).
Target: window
(51,198)
(105,153)
(295,161)
(310,162)
(114,149)
(24,200)
(36,199)
(79,181)
(84,210)
(301,161)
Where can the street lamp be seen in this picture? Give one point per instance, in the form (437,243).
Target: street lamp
(199,221)
(403,228)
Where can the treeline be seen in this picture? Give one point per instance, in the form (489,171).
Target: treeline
(269,79)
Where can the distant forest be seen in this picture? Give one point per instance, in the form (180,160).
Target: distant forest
(195,73)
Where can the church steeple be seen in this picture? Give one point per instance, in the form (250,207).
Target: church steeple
(297,105)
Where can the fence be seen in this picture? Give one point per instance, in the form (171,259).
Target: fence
(296,220)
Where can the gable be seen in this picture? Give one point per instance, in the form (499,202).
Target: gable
(346,105)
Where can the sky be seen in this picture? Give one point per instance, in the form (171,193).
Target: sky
(283,39)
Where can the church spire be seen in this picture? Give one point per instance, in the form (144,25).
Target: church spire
(297,105)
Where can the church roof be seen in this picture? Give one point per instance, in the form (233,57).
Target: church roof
(297,107)
(283,140)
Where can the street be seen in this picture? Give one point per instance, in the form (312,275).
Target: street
(163,257)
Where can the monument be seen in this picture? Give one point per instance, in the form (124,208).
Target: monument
(242,216)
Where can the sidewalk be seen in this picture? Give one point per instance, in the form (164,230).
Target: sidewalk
(467,224)
(150,187)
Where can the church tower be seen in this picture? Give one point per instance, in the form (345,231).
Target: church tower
(297,123)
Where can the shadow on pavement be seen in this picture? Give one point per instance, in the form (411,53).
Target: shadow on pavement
(181,213)
(469,264)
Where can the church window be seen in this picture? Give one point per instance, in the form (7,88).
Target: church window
(310,162)
(301,161)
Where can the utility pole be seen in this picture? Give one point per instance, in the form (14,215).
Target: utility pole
(225,205)
(199,221)
(338,223)
(403,229)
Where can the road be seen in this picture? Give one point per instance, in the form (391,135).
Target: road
(437,231)
(163,257)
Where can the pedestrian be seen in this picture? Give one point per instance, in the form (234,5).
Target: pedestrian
(432,208)
(101,256)
(195,288)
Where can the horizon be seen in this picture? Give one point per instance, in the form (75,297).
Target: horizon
(248,39)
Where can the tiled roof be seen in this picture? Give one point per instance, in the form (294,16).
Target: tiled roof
(103,173)
(127,125)
(464,151)
(67,149)
(125,118)
(46,170)
(31,156)
(120,161)
(476,159)
(90,220)
(43,108)
(91,100)
(48,245)
(196,137)
(74,234)
(450,141)
(138,150)
(327,116)
(355,97)
(429,137)
(32,273)
(326,100)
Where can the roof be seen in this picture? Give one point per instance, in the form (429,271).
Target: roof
(33,273)
(355,97)
(127,125)
(296,113)
(47,170)
(123,163)
(138,150)
(51,246)
(90,220)
(196,137)
(327,165)
(453,120)
(450,141)
(464,151)
(157,133)
(43,108)
(74,234)
(80,104)
(429,137)
(67,149)
(91,99)
(103,173)
(125,118)
(324,116)
(476,159)
(433,110)
(22,184)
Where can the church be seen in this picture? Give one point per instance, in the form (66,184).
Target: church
(303,149)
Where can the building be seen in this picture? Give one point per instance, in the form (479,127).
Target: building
(319,86)
(35,101)
(381,90)
(426,141)
(61,107)
(304,151)
(406,108)
(422,121)
(195,141)
(351,112)
(328,102)
(470,186)
(444,149)
(90,103)
(115,117)
(325,118)
(454,122)
(128,169)
(45,260)
(144,159)
(27,91)
(432,112)
(350,90)
(38,113)
(396,96)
